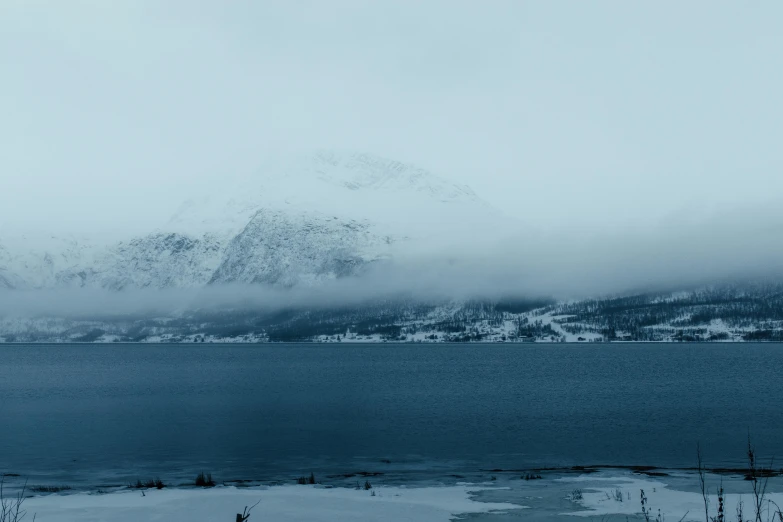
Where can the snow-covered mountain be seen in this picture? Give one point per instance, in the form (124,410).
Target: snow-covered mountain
(398,199)
(300,219)
(41,261)
(304,221)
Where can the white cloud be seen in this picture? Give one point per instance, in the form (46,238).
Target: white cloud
(613,112)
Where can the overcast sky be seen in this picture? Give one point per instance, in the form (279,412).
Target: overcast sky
(564,114)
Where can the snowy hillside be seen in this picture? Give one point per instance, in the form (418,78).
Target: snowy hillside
(287,249)
(37,261)
(300,219)
(733,314)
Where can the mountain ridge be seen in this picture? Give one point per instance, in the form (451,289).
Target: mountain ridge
(300,219)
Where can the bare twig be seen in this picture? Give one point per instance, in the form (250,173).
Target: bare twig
(11,508)
(778,512)
(703,484)
(645,508)
(242,517)
(759,488)
(721,510)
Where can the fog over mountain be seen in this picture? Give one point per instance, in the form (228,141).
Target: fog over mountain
(333,230)
(265,159)
(360,239)
(303,221)
(299,221)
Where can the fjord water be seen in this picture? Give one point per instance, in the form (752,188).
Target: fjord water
(102,413)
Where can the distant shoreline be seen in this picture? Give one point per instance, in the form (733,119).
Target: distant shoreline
(400,478)
(359,343)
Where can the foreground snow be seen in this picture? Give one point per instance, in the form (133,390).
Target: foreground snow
(603,499)
(675,497)
(279,503)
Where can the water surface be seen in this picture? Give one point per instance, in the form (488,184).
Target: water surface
(104,413)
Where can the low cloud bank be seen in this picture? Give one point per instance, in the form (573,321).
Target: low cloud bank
(570,265)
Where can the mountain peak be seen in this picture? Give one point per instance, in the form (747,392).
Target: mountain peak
(300,219)
(350,185)
(361,170)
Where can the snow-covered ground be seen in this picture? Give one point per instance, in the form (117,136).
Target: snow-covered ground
(278,504)
(672,504)
(609,494)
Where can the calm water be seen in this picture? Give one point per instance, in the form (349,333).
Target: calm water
(106,413)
